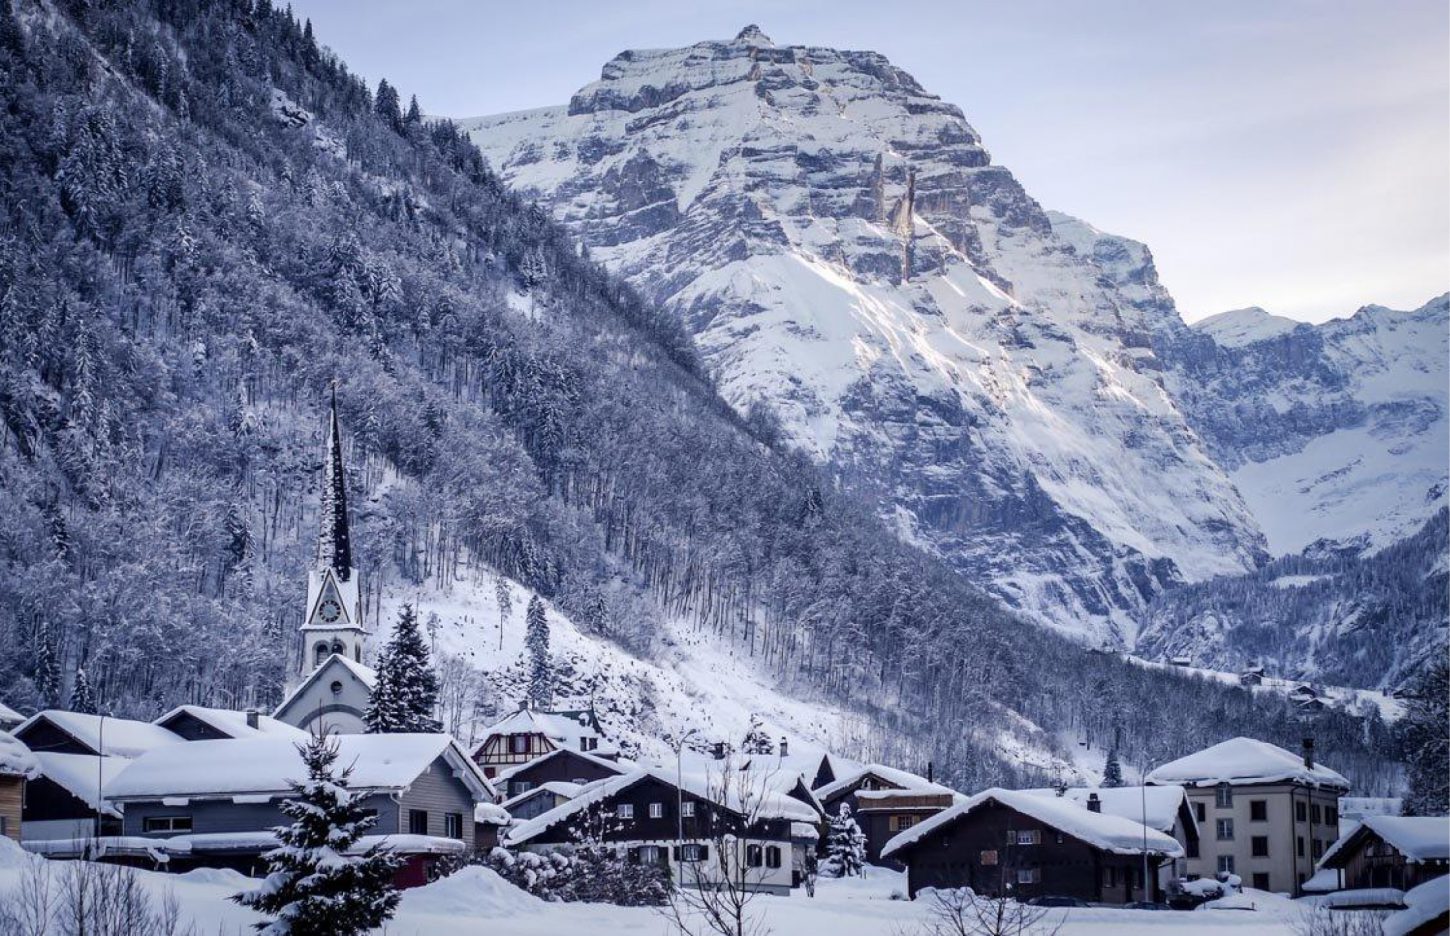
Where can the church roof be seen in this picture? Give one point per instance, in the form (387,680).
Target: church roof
(334,544)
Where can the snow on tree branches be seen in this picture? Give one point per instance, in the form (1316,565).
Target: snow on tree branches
(757,740)
(315,887)
(82,699)
(845,845)
(1113,770)
(1425,741)
(541,669)
(406,695)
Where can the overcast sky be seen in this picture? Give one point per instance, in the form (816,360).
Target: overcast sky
(1293,154)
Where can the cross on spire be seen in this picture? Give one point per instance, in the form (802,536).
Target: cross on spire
(334,545)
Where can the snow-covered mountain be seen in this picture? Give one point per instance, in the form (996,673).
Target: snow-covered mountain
(845,250)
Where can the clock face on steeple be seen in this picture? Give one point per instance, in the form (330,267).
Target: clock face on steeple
(329,611)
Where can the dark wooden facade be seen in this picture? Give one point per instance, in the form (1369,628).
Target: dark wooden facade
(974,851)
(12,796)
(881,818)
(1367,860)
(561,765)
(43,735)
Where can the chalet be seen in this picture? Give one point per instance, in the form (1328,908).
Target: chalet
(1164,808)
(540,799)
(1252,676)
(65,802)
(198,723)
(1399,852)
(17,765)
(885,801)
(214,803)
(1267,814)
(64,732)
(561,765)
(527,735)
(1010,842)
(647,815)
(817,767)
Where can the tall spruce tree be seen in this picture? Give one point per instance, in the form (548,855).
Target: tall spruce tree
(1424,735)
(47,670)
(315,888)
(405,697)
(82,699)
(1113,770)
(845,845)
(536,641)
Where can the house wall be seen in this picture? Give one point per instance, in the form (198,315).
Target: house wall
(496,752)
(1372,863)
(565,766)
(437,792)
(1285,868)
(317,708)
(51,812)
(973,852)
(43,736)
(12,799)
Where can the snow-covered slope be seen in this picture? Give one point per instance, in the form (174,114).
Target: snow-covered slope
(844,249)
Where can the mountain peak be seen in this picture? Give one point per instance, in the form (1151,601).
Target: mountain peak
(753,35)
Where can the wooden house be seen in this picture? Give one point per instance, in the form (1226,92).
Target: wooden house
(1011,842)
(885,801)
(561,765)
(62,732)
(65,803)
(1401,852)
(527,735)
(199,723)
(17,765)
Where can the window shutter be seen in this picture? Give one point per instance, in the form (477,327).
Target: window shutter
(1011,837)
(704,852)
(675,852)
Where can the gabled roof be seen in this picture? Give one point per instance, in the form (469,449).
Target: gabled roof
(264,767)
(1245,760)
(84,776)
(562,730)
(363,674)
(762,803)
(1418,838)
(123,737)
(16,759)
(901,779)
(234,724)
(554,788)
(1162,805)
(610,765)
(1105,832)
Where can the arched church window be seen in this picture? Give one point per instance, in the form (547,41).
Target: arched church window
(338,648)
(357,652)
(319,653)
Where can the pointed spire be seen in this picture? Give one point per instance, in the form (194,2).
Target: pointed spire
(334,545)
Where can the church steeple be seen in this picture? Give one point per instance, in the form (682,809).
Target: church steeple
(334,546)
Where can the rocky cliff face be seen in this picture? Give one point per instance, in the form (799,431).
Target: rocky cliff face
(844,249)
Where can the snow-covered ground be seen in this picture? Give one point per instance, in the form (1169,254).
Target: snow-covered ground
(476,900)
(1347,697)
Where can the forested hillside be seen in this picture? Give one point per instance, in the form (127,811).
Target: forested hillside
(207,221)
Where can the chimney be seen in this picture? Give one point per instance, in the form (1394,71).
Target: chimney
(1094,804)
(1309,753)
(784,747)
(930,768)
(253,719)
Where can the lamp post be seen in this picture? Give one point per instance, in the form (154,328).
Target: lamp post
(680,790)
(100,777)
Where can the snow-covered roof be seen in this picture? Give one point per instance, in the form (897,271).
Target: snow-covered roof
(901,779)
(560,729)
(8,716)
(234,723)
(762,803)
(1101,830)
(263,766)
(607,764)
(16,759)
(1423,904)
(364,674)
(1245,760)
(1418,838)
(123,737)
(554,787)
(83,776)
(491,814)
(1160,804)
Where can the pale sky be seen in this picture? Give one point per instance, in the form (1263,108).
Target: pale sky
(1292,154)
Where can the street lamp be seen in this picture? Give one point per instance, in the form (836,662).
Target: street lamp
(680,789)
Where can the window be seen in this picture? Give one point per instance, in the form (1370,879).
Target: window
(656,810)
(1028,837)
(754,856)
(520,786)
(693,852)
(335,687)
(988,858)
(319,654)
(1331,815)
(1225,864)
(1193,848)
(1224,796)
(1112,877)
(166,824)
(1258,810)
(1318,849)
(1316,814)
(587,744)
(1301,812)
(1261,880)
(418,822)
(1027,876)
(900,823)
(626,810)
(1224,830)
(1259,846)
(649,854)
(772,856)
(1299,846)
(518,744)
(453,825)
(687,809)
(1200,812)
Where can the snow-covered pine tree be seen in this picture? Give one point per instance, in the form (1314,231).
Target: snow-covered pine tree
(757,740)
(536,641)
(504,596)
(47,670)
(1113,770)
(1424,735)
(82,699)
(405,697)
(845,845)
(315,888)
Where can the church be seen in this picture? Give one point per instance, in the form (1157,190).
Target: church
(328,687)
